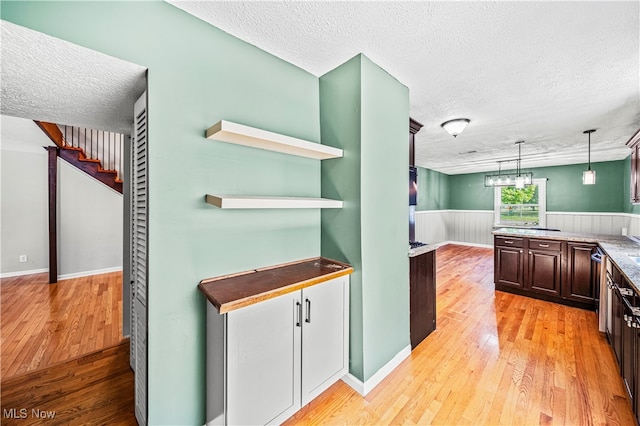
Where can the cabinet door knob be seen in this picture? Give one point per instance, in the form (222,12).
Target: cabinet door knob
(308,318)
(299,314)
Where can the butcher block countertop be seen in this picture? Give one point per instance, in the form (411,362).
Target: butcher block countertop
(230,292)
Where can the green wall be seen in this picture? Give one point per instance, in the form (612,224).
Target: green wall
(467,192)
(340,112)
(433,190)
(198,75)
(565,191)
(365,111)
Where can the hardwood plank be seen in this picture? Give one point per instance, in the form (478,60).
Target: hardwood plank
(91,389)
(43,324)
(495,358)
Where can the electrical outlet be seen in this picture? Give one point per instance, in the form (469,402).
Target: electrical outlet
(23,258)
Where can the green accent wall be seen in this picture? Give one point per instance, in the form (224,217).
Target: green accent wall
(198,75)
(433,188)
(365,111)
(467,192)
(565,191)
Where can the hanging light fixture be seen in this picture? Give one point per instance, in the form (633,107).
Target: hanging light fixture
(517,179)
(589,176)
(456,126)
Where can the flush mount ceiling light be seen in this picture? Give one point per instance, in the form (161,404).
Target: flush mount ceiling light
(517,179)
(589,176)
(456,126)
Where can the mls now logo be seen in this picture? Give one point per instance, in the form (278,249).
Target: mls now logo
(15,413)
(42,414)
(23,413)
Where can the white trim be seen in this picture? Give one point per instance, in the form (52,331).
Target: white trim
(20,273)
(366,387)
(88,273)
(453,211)
(464,243)
(594,213)
(636,215)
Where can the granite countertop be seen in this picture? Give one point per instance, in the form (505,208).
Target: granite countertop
(422,249)
(617,247)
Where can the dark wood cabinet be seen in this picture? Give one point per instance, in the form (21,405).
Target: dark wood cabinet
(544,272)
(616,323)
(636,379)
(582,275)
(624,333)
(628,351)
(508,262)
(634,144)
(550,269)
(422,296)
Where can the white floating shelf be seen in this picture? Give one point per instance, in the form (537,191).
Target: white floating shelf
(227,131)
(250,202)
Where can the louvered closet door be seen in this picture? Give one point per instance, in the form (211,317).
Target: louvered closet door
(139,239)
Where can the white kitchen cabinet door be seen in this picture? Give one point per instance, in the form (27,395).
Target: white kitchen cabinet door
(325,336)
(263,362)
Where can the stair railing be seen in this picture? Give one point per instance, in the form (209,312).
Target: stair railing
(107,147)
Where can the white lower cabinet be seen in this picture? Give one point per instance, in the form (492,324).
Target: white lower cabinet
(267,360)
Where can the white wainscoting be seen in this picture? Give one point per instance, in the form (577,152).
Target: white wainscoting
(470,226)
(431,226)
(592,223)
(634,225)
(475,226)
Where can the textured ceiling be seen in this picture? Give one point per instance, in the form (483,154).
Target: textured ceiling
(48,79)
(536,71)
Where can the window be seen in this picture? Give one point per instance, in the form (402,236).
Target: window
(521,207)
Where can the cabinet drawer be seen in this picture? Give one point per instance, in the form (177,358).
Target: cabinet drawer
(545,245)
(508,242)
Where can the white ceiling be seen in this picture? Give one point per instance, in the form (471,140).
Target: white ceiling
(536,71)
(48,79)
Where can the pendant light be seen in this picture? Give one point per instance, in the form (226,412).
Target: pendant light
(589,176)
(519,178)
(456,126)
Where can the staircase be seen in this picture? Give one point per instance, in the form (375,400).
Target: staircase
(97,153)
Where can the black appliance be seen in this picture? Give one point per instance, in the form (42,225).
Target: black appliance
(414,127)
(413,199)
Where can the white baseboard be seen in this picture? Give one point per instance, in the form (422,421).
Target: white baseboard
(88,273)
(464,243)
(19,273)
(366,387)
(63,276)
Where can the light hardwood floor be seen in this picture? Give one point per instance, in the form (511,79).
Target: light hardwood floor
(494,359)
(44,324)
